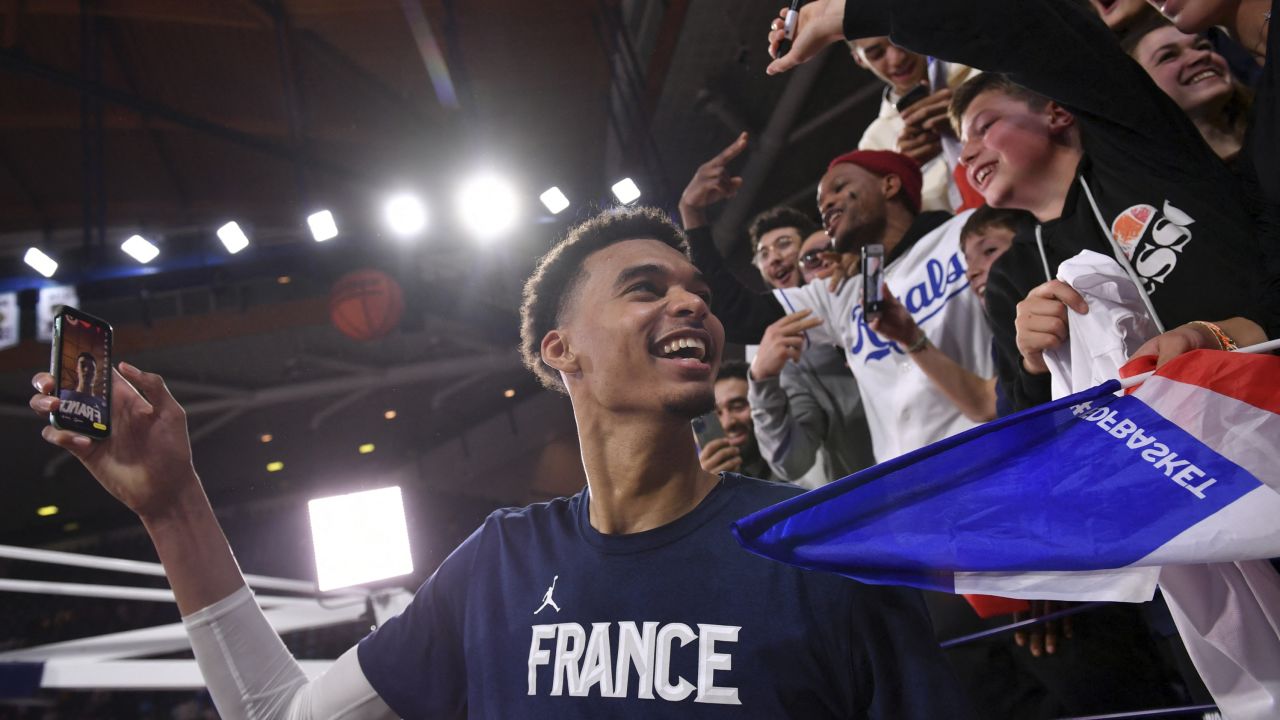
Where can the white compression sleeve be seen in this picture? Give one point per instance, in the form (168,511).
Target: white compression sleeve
(252,676)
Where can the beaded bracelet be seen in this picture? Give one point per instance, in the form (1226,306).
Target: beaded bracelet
(1224,340)
(919,344)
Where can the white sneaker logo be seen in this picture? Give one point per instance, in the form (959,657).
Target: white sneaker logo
(547,599)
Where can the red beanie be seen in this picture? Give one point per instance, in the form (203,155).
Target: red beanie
(887,162)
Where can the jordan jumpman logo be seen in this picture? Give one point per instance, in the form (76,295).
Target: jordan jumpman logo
(547,600)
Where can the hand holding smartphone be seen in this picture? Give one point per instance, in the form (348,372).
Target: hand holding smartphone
(872,279)
(919,93)
(707,428)
(81,369)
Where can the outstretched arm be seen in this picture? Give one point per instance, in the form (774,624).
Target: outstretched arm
(146,464)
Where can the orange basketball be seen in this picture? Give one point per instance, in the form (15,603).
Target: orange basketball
(366,304)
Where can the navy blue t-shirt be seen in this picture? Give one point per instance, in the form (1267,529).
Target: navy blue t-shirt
(538,615)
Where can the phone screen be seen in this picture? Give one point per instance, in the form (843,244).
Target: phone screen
(872,278)
(706,428)
(919,93)
(82,369)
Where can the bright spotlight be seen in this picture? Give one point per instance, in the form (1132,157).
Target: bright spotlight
(488,206)
(322,226)
(42,263)
(233,238)
(360,537)
(626,191)
(555,200)
(406,215)
(140,249)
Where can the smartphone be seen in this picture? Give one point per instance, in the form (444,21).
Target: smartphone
(81,368)
(706,428)
(872,279)
(919,93)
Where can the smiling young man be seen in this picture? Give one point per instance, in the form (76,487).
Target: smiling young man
(776,236)
(738,450)
(628,600)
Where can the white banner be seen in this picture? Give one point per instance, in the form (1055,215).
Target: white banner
(9,317)
(51,301)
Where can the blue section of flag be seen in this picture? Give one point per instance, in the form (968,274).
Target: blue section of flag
(1089,482)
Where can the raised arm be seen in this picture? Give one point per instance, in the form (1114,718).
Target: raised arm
(745,314)
(146,464)
(790,424)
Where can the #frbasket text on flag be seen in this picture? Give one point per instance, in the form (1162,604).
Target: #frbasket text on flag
(1082,498)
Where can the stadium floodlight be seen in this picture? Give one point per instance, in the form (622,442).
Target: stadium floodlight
(626,191)
(406,215)
(488,206)
(555,200)
(359,538)
(323,227)
(140,249)
(233,238)
(40,262)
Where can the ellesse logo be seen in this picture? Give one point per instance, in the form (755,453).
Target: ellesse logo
(1152,240)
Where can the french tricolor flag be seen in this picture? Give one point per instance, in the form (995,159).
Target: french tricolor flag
(1084,498)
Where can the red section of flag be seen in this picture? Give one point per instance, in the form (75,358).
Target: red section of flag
(989,606)
(1248,377)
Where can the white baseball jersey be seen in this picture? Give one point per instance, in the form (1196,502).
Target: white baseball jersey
(905,410)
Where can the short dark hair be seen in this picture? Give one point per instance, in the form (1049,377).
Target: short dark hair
(989,82)
(89,355)
(555,280)
(987,217)
(779,217)
(730,369)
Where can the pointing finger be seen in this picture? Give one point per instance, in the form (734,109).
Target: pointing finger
(810,323)
(734,150)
